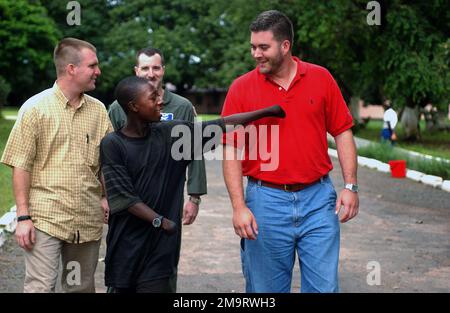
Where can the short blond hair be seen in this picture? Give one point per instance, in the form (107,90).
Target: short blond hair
(67,51)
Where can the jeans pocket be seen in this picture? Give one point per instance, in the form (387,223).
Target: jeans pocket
(250,192)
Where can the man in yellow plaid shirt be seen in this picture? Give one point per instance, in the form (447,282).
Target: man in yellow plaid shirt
(53,150)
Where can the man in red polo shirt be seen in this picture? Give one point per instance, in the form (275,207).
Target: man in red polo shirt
(291,206)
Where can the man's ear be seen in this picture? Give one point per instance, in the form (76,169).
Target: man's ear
(286,46)
(70,69)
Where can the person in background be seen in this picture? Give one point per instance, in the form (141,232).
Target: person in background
(390,120)
(150,65)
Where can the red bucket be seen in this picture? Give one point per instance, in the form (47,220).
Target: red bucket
(398,168)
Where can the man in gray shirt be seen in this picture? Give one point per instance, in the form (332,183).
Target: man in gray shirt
(150,65)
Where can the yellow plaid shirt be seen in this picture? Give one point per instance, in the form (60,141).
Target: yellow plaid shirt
(60,145)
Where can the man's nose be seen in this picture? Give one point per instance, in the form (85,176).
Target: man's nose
(257,53)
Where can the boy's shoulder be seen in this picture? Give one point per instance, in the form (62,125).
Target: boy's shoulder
(111,138)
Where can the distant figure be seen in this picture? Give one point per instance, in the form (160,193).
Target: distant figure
(390,120)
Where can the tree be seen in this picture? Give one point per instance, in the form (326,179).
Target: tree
(416,57)
(5,89)
(404,59)
(95,23)
(27,37)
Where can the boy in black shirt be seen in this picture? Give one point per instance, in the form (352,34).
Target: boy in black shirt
(144,185)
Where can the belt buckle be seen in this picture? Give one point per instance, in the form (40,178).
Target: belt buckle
(285,187)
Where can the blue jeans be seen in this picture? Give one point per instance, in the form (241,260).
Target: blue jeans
(302,221)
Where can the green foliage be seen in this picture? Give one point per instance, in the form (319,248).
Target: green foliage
(206,43)
(27,37)
(416,58)
(7,198)
(5,89)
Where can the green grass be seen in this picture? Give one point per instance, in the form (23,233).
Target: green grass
(385,153)
(207,117)
(6,192)
(10,111)
(435,143)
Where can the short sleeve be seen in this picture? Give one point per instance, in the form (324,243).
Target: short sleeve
(20,150)
(118,184)
(117,115)
(232,105)
(338,116)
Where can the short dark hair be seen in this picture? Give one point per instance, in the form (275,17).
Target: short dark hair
(275,21)
(128,89)
(149,51)
(67,51)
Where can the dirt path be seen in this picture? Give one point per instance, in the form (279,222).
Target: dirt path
(402,225)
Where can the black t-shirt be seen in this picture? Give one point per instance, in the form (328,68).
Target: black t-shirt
(144,170)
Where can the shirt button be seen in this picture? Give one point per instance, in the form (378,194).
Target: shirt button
(279,88)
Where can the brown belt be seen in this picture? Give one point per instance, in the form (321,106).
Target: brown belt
(286,187)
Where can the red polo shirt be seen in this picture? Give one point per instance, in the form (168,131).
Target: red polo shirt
(293,149)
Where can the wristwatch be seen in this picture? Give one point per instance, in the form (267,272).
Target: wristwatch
(195,200)
(23,218)
(352,187)
(157,221)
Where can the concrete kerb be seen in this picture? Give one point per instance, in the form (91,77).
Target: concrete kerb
(8,223)
(431,180)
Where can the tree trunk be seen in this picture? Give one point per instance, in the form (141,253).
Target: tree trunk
(354,110)
(410,123)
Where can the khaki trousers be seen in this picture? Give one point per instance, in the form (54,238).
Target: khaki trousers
(79,262)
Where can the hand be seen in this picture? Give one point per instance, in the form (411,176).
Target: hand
(105,207)
(169,226)
(393,137)
(350,201)
(26,234)
(190,212)
(244,223)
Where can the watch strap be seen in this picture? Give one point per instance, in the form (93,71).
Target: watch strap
(195,200)
(23,218)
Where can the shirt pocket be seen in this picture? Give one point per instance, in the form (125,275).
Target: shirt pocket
(92,154)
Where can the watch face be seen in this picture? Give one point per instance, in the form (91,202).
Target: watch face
(157,222)
(352,187)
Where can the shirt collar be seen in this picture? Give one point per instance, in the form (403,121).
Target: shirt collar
(301,69)
(167,97)
(62,100)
